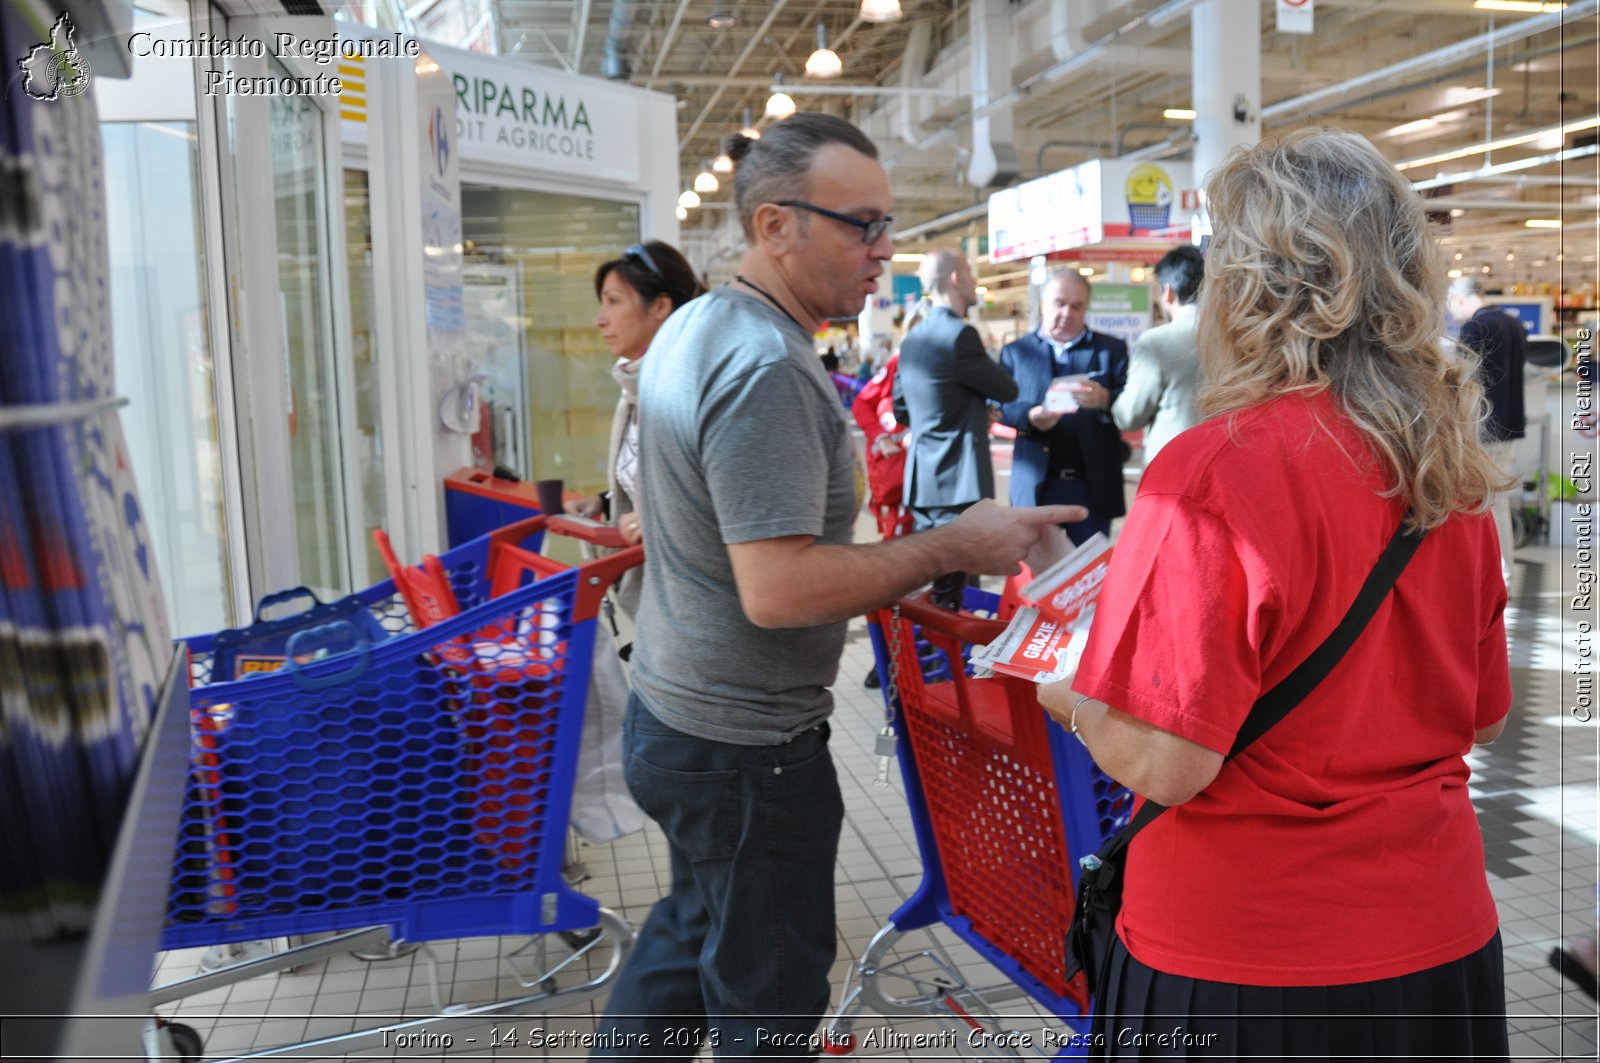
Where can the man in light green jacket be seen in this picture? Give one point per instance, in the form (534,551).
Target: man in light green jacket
(1164,366)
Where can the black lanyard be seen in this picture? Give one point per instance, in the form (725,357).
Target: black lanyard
(769,297)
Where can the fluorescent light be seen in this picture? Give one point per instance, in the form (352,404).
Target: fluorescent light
(1543,223)
(1178,114)
(1495,145)
(1455,95)
(1456,212)
(824,62)
(879,11)
(906,256)
(690,198)
(1424,125)
(1530,7)
(1086,271)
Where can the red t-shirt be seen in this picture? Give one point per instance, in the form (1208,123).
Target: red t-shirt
(1342,846)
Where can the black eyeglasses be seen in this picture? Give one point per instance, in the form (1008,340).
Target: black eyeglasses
(637,251)
(871,231)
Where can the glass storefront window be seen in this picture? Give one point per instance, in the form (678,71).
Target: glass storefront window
(306,319)
(164,362)
(369,436)
(529,272)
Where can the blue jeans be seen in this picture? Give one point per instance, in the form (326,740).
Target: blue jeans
(737,954)
(1054,492)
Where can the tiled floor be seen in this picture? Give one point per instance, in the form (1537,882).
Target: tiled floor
(1535,790)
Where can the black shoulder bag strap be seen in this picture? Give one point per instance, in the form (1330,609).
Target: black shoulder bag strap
(1100,870)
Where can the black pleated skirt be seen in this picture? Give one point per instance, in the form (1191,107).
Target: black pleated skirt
(1454,1011)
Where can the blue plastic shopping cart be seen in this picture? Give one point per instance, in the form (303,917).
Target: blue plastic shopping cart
(418,783)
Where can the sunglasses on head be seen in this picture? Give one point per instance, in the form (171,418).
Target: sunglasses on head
(871,231)
(637,251)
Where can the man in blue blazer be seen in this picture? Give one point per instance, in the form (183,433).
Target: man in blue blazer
(1067,457)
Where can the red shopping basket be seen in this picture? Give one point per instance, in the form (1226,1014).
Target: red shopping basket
(512,666)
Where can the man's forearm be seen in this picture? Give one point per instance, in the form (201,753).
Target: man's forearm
(822,584)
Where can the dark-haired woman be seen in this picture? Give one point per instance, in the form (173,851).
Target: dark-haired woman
(637,292)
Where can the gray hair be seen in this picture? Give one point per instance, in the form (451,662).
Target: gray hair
(1055,275)
(776,166)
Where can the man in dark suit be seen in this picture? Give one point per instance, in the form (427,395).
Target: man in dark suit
(1075,455)
(1501,344)
(941,389)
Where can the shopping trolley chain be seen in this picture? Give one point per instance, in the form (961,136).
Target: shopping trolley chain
(886,741)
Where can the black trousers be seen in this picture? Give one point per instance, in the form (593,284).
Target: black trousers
(1453,1011)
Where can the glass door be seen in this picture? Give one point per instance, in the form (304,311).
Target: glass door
(314,405)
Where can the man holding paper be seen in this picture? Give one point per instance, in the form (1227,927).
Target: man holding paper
(1068,450)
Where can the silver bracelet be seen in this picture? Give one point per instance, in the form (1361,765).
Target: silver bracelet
(1072,722)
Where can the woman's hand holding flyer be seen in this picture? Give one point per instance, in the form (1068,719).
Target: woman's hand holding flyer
(1045,639)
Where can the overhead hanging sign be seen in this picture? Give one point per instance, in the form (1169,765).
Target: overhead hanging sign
(1294,16)
(1102,205)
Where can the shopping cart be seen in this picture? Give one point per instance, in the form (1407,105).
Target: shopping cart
(1003,804)
(414,788)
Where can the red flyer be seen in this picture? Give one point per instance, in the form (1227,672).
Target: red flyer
(1045,640)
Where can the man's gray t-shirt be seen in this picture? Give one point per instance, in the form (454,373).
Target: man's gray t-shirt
(741,438)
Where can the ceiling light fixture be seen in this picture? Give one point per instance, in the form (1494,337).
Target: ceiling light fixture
(749,129)
(1179,114)
(879,11)
(706,181)
(824,62)
(722,164)
(1543,223)
(1086,271)
(722,20)
(1495,145)
(1530,7)
(690,198)
(1453,274)
(780,104)
(682,212)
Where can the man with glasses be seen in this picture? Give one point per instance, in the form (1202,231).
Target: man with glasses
(750,492)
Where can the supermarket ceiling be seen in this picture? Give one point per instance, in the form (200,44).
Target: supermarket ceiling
(1472,75)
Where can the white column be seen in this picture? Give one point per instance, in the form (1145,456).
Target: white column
(1226,90)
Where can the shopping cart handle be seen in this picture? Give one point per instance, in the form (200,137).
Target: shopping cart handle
(293,594)
(590,531)
(311,639)
(919,609)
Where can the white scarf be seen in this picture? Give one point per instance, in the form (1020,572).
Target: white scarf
(626,374)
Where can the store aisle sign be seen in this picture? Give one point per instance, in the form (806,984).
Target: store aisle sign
(1097,201)
(518,115)
(1295,16)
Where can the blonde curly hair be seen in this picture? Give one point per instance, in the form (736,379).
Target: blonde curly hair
(1323,275)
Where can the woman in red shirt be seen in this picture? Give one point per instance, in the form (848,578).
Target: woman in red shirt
(1324,894)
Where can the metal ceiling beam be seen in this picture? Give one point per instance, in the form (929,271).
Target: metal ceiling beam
(582,31)
(666,43)
(755,39)
(1298,106)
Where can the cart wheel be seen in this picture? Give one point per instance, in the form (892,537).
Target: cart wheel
(577,939)
(1521,528)
(185,1042)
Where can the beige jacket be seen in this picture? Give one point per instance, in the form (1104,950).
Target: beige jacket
(1161,395)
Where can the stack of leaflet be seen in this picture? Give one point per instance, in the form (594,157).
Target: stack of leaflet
(1044,640)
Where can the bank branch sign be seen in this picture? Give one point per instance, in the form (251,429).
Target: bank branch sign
(519,115)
